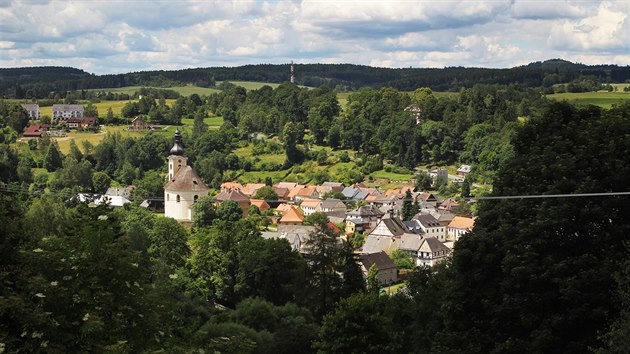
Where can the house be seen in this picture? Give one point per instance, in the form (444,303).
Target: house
(459,226)
(251,188)
(464,170)
(32,109)
(443,217)
(335,186)
(385,236)
(415,111)
(283,193)
(362,219)
(431,226)
(296,235)
(183,187)
(448,204)
(81,122)
(427,199)
(439,174)
(237,196)
(350,192)
(387,273)
(283,208)
(293,192)
(260,204)
(308,192)
(226,186)
(126,192)
(332,205)
(292,217)
(287,185)
(113,201)
(63,112)
(310,206)
(138,124)
(427,251)
(321,190)
(36,131)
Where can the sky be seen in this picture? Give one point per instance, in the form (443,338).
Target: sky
(112,36)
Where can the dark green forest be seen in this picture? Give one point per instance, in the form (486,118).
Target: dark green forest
(40,82)
(536,275)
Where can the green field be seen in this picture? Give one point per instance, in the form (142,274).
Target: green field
(183,90)
(602,98)
(95,138)
(392,176)
(100,106)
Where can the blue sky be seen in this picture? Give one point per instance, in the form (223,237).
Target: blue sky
(113,36)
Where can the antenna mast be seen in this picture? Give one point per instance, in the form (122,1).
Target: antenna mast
(292,73)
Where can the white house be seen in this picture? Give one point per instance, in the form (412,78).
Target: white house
(63,112)
(459,226)
(183,187)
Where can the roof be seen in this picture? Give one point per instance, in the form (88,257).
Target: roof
(83,120)
(361,195)
(310,203)
(411,242)
(366,211)
(177,149)
(413,226)
(375,244)
(331,203)
(186,179)
(432,245)
(231,185)
(294,191)
(30,106)
(427,197)
(251,188)
(33,130)
(232,194)
(427,220)
(283,208)
(306,191)
(395,226)
(462,223)
(296,235)
(443,215)
(333,227)
(260,203)
(281,192)
(449,204)
(292,215)
(67,107)
(287,185)
(380,259)
(333,184)
(464,168)
(123,192)
(350,192)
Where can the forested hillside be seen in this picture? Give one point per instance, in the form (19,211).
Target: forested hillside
(40,82)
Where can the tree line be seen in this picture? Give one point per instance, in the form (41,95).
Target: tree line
(38,82)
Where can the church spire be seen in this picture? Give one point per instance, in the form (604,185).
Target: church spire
(177,149)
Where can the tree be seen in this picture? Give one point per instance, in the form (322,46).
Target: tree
(90,110)
(423,181)
(110,118)
(373,285)
(266,193)
(52,157)
(74,151)
(100,182)
(168,249)
(292,134)
(466,188)
(407,209)
(402,259)
(360,324)
(229,210)
(204,212)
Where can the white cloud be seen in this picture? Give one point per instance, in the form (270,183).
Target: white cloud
(120,36)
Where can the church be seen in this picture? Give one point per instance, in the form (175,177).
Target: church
(183,186)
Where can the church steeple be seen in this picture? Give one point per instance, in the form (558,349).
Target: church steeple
(176,158)
(177,149)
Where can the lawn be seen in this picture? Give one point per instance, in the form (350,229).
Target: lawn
(101,107)
(259,176)
(392,176)
(95,138)
(603,98)
(183,90)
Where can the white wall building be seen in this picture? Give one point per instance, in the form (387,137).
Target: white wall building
(184,187)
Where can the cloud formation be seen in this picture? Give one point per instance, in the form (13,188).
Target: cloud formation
(117,36)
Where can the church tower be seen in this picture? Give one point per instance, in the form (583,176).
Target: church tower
(183,187)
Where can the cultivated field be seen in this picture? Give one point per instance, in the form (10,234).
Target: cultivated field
(603,99)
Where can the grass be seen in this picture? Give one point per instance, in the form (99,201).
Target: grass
(259,176)
(603,99)
(96,138)
(392,176)
(102,107)
(211,121)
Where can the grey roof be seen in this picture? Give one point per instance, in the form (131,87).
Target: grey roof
(395,226)
(332,203)
(297,235)
(333,184)
(30,106)
(361,195)
(435,245)
(375,244)
(186,179)
(380,259)
(411,242)
(427,220)
(366,211)
(350,192)
(413,226)
(337,214)
(442,215)
(122,192)
(67,107)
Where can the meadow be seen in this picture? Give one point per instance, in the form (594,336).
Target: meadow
(603,99)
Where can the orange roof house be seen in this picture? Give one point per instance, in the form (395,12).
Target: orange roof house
(251,188)
(260,203)
(283,208)
(237,196)
(459,226)
(231,185)
(292,217)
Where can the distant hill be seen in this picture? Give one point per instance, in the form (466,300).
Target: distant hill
(41,81)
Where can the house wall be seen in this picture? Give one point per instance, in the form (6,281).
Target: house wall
(182,210)
(387,276)
(454,234)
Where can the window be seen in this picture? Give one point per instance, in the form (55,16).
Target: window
(178,199)
(195,198)
(168,197)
